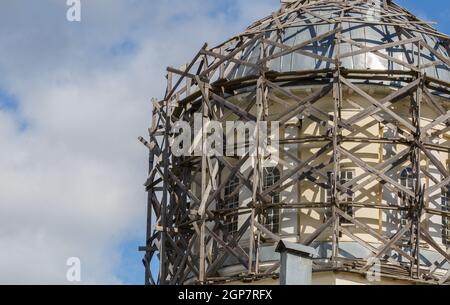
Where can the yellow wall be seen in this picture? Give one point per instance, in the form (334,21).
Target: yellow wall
(296,223)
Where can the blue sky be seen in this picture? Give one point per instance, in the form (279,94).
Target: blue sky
(8,102)
(431,10)
(74,97)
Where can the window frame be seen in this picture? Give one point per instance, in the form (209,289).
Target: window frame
(407,180)
(348,198)
(231,201)
(272,216)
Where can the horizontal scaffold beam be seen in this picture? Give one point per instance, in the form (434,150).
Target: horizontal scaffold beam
(187,235)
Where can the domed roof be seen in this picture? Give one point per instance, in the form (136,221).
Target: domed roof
(312,35)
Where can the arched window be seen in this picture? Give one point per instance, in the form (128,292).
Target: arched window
(272,215)
(407,178)
(231,201)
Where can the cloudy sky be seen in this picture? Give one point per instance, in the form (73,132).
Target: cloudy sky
(74,97)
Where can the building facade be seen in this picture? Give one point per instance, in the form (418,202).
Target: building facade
(356,96)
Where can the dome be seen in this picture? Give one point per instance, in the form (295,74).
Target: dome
(357,97)
(369,35)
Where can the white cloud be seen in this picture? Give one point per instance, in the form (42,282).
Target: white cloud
(71,184)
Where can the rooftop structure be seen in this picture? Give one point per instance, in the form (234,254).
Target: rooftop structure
(361,93)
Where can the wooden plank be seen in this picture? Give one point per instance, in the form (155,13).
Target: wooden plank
(378,104)
(366,245)
(265,231)
(382,55)
(301,52)
(372,232)
(302,104)
(188,68)
(235,109)
(443,119)
(298,170)
(228,248)
(356,183)
(437,54)
(235,60)
(387,245)
(381,47)
(300,46)
(433,160)
(247,183)
(387,101)
(313,236)
(432,100)
(375,172)
(231,175)
(231,55)
(427,237)
(217,263)
(182,73)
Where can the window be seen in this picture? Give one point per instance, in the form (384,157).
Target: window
(407,180)
(328,197)
(328,191)
(445,219)
(272,215)
(345,199)
(231,201)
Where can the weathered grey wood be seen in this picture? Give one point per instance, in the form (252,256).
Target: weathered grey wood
(375,172)
(310,239)
(372,232)
(264,231)
(380,47)
(445,118)
(230,55)
(298,170)
(365,244)
(432,100)
(382,55)
(302,104)
(301,52)
(433,160)
(378,104)
(388,245)
(427,237)
(301,45)
(220,259)
(387,101)
(182,224)
(356,184)
(228,248)
(242,114)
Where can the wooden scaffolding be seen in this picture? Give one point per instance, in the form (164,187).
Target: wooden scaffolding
(185,235)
